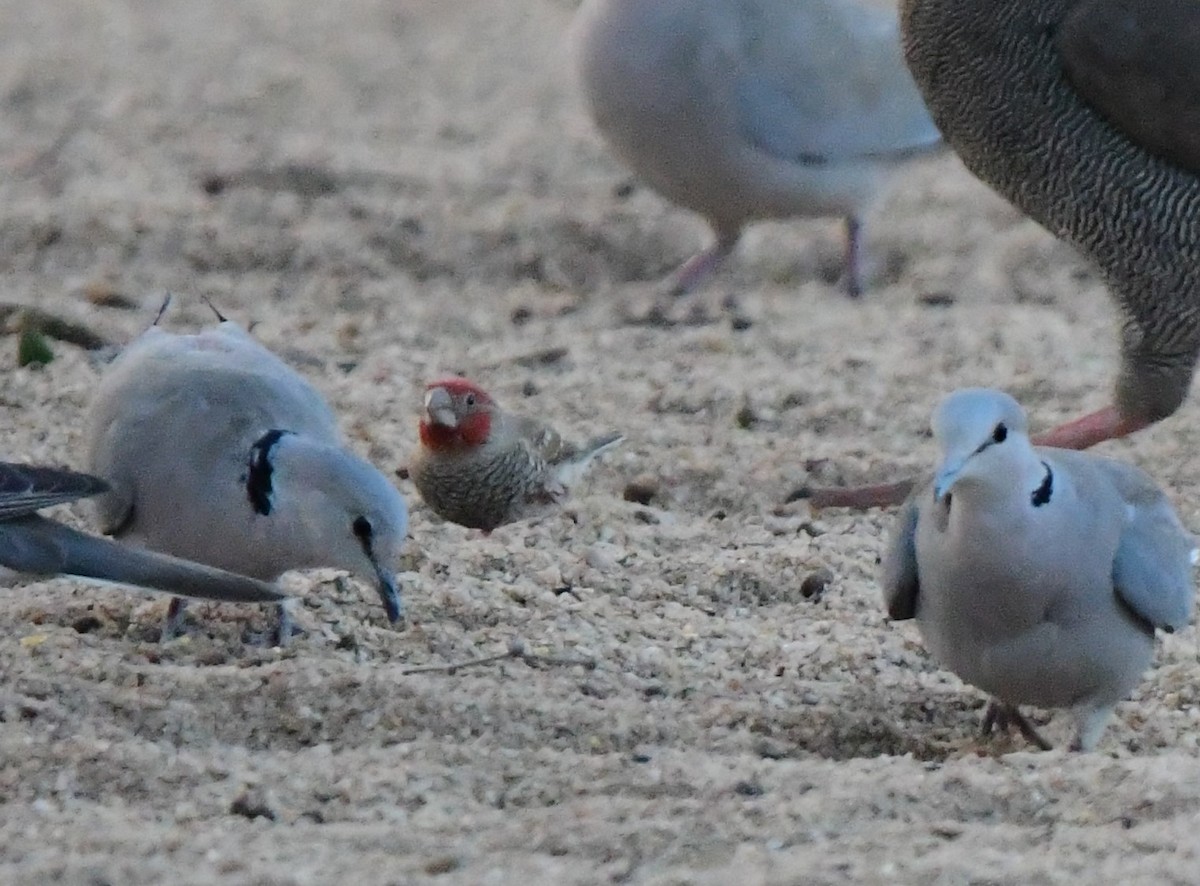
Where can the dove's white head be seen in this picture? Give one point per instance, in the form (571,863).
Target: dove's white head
(984,438)
(332,509)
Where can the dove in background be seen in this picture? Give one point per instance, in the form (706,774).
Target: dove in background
(741,110)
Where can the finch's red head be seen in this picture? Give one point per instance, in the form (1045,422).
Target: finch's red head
(458,414)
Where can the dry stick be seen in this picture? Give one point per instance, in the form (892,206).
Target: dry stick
(860,498)
(540,357)
(516,649)
(221,318)
(16,318)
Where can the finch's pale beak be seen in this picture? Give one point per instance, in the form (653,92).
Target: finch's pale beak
(439,406)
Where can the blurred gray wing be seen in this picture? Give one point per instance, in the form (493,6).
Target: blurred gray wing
(25,489)
(1152,568)
(825,82)
(542,440)
(901,580)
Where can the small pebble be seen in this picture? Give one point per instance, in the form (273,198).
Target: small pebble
(748,789)
(815,583)
(251,804)
(443,865)
(604,557)
(642,490)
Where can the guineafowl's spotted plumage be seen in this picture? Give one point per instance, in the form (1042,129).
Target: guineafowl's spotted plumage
(1051,103)
(1085,114)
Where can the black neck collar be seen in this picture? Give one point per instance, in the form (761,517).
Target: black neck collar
(258,478)
(1041,495)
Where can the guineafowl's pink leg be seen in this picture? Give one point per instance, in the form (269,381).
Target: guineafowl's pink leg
(1096,427)
(1104,424)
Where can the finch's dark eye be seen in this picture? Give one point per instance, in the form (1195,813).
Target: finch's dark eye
(363,529)
(1000,434)
(470,399)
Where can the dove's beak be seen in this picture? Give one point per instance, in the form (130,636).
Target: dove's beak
(945,479)
(389,592)
(440,408)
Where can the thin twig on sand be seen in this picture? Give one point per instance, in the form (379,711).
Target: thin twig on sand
(516,650)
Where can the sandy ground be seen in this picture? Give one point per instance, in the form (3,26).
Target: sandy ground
(391,190)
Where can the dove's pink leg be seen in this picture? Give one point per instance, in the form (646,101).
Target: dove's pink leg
(1002,717)
(697,269)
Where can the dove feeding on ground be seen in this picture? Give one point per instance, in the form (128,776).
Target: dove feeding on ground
(482,467)
(742,110)
(1038,575)
(216,450)
(33,545)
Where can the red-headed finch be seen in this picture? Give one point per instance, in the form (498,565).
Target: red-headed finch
(482,467)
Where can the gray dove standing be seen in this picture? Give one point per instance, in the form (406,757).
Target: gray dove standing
(219,452)
(753,109)
(1037,574)
(34,545)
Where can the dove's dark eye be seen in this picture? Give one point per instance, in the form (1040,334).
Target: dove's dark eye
(470,399)
(1000,434)
(363,529)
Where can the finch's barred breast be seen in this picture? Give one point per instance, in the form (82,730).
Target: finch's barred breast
(485,489)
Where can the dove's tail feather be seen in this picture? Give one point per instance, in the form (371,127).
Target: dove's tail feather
(38,546)
(573,468)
